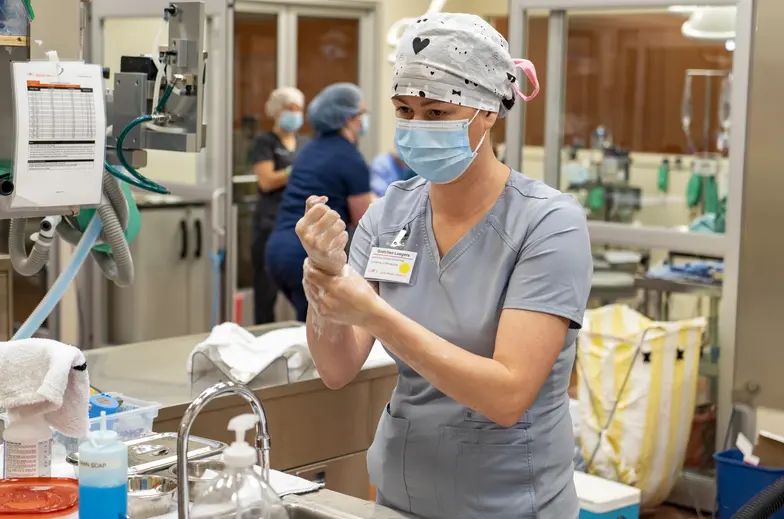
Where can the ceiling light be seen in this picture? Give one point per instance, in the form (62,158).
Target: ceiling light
(711,23)
(684,9)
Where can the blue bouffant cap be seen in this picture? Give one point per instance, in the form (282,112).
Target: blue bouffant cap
(334,106)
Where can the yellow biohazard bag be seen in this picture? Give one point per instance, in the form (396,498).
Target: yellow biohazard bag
(637,389)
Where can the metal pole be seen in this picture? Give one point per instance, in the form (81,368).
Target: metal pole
(555,95)
(707,124)
(515,120)
(230,260)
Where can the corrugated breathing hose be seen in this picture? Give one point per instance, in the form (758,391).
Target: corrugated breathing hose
(765,504)
(117,265)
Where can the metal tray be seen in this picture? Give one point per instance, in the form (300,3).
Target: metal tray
(158,452)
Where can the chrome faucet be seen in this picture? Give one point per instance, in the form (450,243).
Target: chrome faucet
(183,435)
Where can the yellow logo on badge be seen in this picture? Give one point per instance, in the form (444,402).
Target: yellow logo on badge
(404,268)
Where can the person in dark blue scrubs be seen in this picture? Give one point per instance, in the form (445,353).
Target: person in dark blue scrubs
(329,165)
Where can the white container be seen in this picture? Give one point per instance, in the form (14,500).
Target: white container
(604,499)
(27,448)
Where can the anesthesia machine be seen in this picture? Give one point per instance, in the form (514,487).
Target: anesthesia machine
(78,147)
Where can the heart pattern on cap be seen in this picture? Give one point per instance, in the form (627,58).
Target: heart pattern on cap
(419,44)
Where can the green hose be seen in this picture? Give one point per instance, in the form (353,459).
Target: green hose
(162,101)
(146,183)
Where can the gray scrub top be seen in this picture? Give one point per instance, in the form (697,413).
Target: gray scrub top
(432,456)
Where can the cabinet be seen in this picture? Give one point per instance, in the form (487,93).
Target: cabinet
(347,475)
(172,292)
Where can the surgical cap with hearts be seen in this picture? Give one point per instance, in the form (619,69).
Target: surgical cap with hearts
(461,59)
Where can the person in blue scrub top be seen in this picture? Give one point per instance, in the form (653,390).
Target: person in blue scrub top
(330,165)
(385,169)
(474,278)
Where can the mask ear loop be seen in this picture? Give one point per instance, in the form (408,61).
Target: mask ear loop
(529,70)
(482,140)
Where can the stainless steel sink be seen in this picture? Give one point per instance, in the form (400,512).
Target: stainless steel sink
(309,511)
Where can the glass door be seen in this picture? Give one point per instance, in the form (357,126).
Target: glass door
(333,45)
(327,52)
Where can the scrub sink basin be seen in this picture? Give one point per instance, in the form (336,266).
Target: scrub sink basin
(311,511)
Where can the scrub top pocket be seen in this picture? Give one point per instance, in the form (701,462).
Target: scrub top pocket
(494,474)
(386,460)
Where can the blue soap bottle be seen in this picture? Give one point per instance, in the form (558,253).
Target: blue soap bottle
(103,475)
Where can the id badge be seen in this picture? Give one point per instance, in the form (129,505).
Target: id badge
(392,264)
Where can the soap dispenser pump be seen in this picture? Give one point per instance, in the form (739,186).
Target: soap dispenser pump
(240,454)
(239,492)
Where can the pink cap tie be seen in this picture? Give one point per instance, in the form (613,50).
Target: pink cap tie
(529,70)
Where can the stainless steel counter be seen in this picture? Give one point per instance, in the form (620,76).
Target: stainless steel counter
(156,371)
(355,508)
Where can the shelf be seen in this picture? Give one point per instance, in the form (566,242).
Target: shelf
(13,41)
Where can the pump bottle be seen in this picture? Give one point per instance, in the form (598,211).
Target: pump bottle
(239,492)
(103,475)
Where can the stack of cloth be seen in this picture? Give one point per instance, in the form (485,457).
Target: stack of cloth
(45,377)
(241,356)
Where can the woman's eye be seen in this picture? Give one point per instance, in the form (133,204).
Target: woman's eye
(402,109)
(437,113)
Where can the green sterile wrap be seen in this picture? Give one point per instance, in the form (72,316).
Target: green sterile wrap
(134,220)
(703,190)
(663,180)
(595,200)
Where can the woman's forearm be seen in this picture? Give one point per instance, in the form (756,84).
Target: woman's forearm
(474,381)
(268,179)
(338,350)
(275,181)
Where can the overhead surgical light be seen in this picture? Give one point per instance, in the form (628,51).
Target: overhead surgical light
(711,24)
(399,27)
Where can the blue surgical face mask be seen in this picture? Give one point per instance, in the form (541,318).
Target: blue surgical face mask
(365,124)
(438,151)
(290,121)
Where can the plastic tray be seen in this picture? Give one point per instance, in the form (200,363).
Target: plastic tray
(133,420)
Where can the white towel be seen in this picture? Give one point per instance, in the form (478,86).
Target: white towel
(242,357)
(286,484)
(42,376)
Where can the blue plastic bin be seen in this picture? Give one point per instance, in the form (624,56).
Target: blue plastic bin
(738,482)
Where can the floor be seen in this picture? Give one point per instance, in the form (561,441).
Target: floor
(671,512)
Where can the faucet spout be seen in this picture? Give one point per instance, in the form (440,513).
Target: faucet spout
(262,436)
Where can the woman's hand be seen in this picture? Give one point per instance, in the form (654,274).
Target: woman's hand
(346,298)
(323,235)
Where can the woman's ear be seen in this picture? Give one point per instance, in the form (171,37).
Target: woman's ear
(489,119)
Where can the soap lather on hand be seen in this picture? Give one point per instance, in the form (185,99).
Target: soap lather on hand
(323,235)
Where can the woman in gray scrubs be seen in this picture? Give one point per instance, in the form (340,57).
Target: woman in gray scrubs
(474,278)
